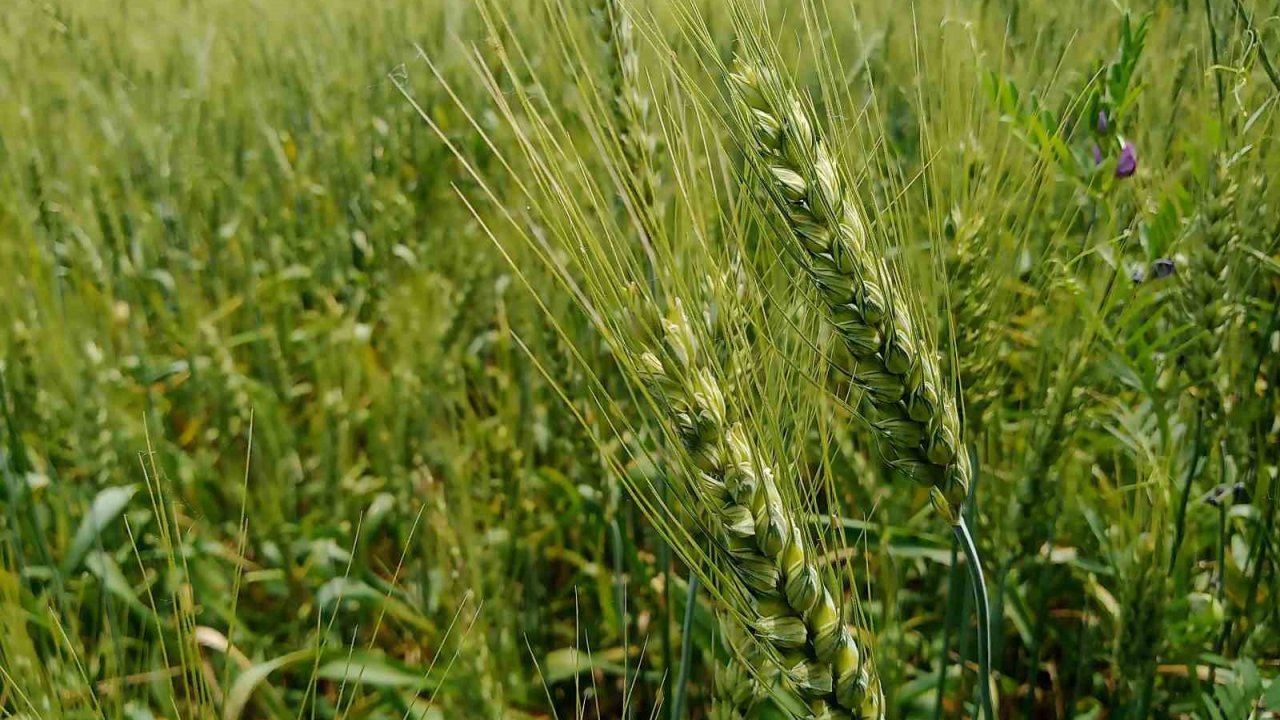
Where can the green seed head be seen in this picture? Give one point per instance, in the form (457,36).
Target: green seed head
(899,375)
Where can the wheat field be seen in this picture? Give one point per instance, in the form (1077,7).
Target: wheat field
(654,359)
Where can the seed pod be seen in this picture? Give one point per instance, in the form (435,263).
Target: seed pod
(903,431)
(835,645)
(769,132)
(736,689)
(861,338)
(802,587)
(884,387)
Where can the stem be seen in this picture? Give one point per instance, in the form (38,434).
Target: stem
(997,610)
(664,562)
(686,647)
(1213,47)
(620,595)
(1257,564)
(1144,695)
(961,531)
(1180,522)
(948,620)
(1222,573)
(1082,656)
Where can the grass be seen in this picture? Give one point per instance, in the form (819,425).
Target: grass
(319,335)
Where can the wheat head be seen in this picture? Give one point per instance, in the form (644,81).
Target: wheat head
(909,408)
(791,612)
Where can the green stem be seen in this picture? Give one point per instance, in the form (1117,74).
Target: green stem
(1143,705)
(664,563)
(686,647)
(948,620)
(1222,572)
(1082,657)
(1257,563)
(1180,522)
(961,531)
(1213,48)
(620,595)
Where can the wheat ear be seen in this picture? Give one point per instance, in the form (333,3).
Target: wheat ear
(791,612)
(972,289)
(629,104)
(1208,295)
(909,409)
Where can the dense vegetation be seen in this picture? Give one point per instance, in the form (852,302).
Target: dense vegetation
(630,358)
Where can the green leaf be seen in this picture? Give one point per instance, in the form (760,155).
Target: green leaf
(249,680)
(564,663)
(379,510)
(107,506)
(109,574)
(342,590)
(373,670)
(1271,698)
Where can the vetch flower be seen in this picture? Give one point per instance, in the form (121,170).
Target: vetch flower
(1097,154)
(1128,162)
(1103,126)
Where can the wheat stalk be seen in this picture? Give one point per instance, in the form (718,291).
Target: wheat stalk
(1141,621)
(908,407)
(790,612)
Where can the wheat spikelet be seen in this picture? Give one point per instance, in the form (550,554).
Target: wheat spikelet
(791,612)
(737,691)
(907,405)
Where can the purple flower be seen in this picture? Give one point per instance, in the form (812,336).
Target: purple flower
(1097,154)
(1103,125)
(1128,161)
(1163,268)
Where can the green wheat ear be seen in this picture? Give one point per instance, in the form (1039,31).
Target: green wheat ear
(905,402)
(1208,296)
(629,108)
(787,610)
